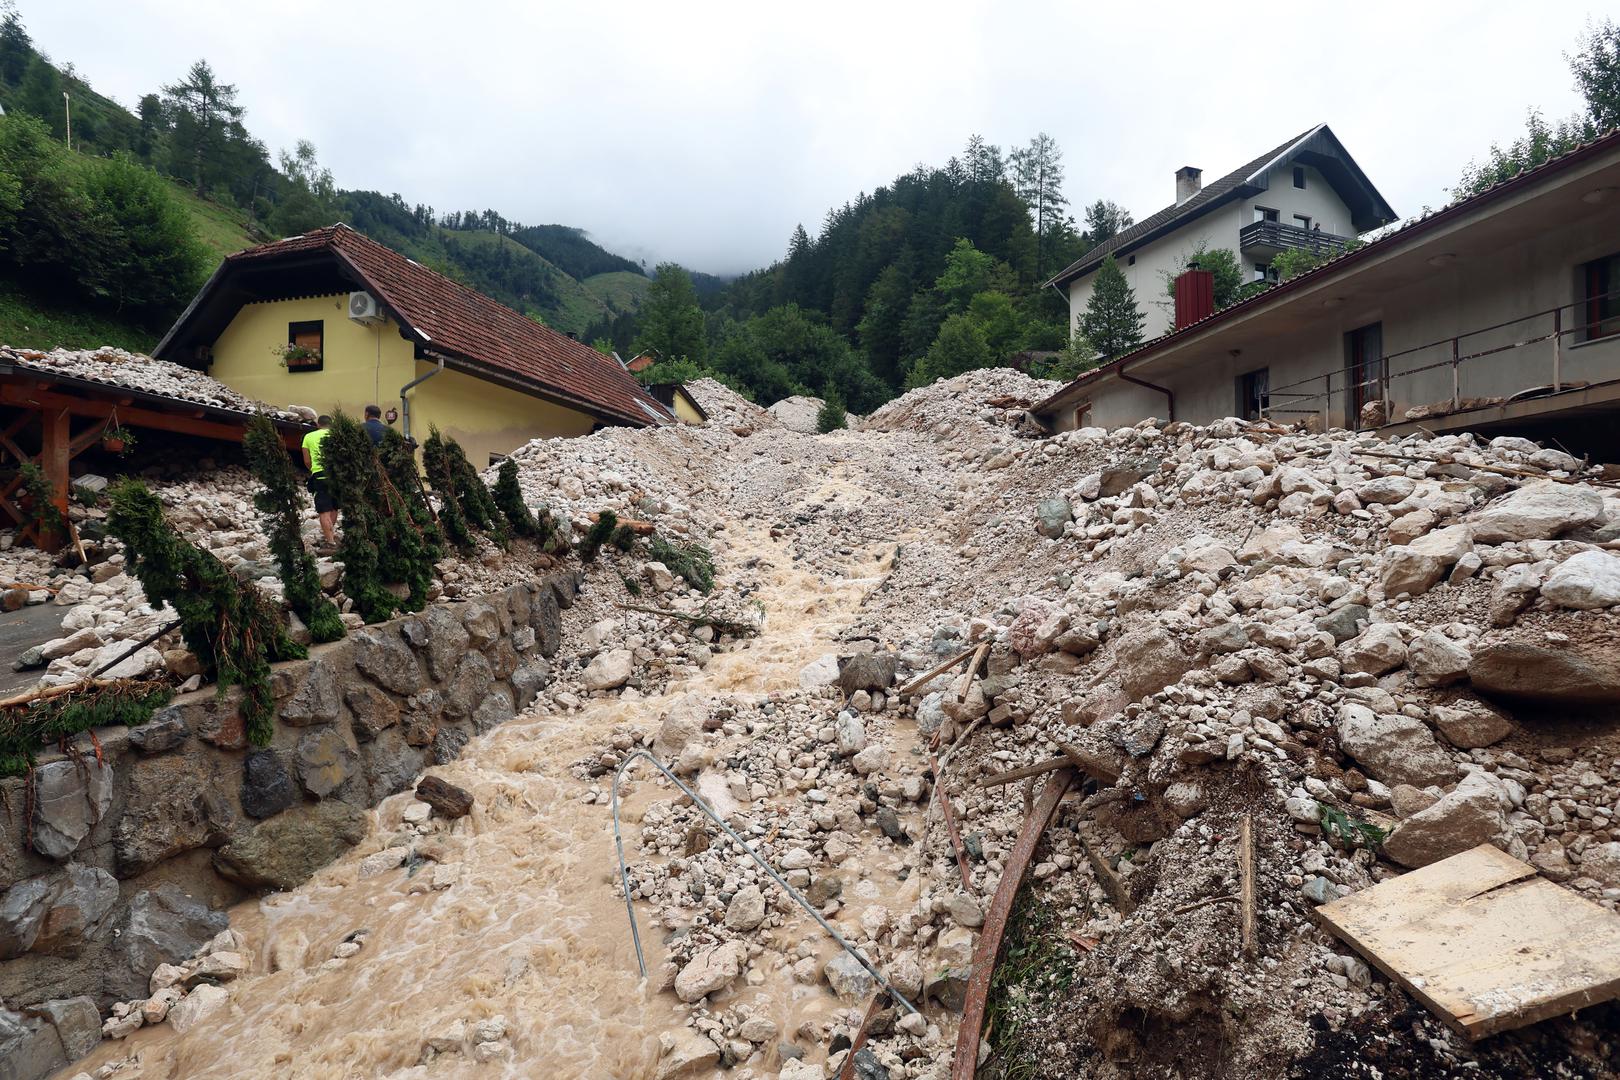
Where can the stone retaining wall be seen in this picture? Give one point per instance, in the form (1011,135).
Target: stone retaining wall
(120,859)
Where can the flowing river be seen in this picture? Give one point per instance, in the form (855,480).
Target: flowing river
(533,930)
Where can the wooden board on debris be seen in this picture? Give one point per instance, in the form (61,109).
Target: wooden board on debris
(1483,941)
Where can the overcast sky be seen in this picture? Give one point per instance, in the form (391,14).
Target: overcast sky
(704,132)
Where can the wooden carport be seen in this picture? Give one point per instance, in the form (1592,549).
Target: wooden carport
(49,419)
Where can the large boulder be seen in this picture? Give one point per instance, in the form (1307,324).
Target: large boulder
(316,701)
(689,1056)
(285,851)
(1538,511)
(1051,515)
(710,970)
(609,670)
(1601,863)
(1417,567)
(162,926)
(746,910)
(175,804)
(29,1047)
(1436,659)
(447,641)
(81,898)
(70,797)
(1148,660)
(23,908)
(325,759)
(267,786)
(382,656)
(1548,677)
(1395,749)
(1471,724)
(1376,650)
(1473,813)
(1586,581)
(868,671)
(77,1022)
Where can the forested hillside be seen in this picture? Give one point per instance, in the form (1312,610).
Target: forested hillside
(203,176)
(938,273)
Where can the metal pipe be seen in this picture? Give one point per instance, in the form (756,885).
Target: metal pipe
(1169,394)
(624,875)
(405,401)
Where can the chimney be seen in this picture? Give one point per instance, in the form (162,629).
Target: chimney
(1188,181)
(1195,296)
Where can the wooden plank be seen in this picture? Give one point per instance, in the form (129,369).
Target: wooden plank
(1246,883)
(54,455)
(942,793)
(1483,942)
(135,416)
(876,1006)
(966,683)
(934,671)
(965,1061)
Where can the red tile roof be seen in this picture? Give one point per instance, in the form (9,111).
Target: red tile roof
(454,319)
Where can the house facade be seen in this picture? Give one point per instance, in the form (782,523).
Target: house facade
(333,320)
(1500,312)
(1308,193)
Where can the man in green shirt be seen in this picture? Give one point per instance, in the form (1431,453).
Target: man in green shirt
(325,506)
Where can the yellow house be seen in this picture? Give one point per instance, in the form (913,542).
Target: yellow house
(334,320)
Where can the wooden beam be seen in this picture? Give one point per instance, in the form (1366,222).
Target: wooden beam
(135,416)
(54,455)
(965,1062)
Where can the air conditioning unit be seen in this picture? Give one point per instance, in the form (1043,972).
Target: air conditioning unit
(363,308)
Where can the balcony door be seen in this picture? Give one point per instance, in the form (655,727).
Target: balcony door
(1364,364)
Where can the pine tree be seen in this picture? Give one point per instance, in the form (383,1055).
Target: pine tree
(16,47)
(671,320)
(833,416)
(1112,322)
(1038,179)
(1106,219)
(205,110)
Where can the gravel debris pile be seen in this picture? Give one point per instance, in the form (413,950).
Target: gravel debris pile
(1379,653)
(135,371)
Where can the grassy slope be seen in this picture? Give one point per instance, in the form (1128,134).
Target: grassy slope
(221,229)
(577,306)
(620,290)
(27,322)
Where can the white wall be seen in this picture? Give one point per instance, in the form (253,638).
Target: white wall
(1217,229)
(1511,282)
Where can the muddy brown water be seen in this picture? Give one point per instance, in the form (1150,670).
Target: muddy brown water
(533,929)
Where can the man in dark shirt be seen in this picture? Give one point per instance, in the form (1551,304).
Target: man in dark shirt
(374,425)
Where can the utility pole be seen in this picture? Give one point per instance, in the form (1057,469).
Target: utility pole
(67,109)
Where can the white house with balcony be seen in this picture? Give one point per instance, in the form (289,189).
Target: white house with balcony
(1308,192)
(1499,314)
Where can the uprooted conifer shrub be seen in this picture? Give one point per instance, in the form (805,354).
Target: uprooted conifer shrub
(399,462)
(509,497)
(27,727)
(600,532)
(282,504)
(692,561)
(383,544)
(233,628)
(464,501)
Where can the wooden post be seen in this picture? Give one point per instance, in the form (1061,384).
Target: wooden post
(55,452)
(1558,349)
(1246,883)
(1457,381)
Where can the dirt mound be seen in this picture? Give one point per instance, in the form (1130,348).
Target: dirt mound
(727,408)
